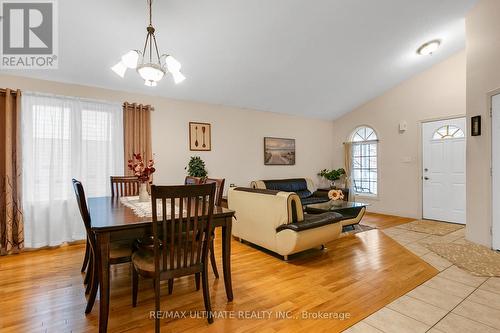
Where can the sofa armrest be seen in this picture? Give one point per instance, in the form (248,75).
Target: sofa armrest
(312,221)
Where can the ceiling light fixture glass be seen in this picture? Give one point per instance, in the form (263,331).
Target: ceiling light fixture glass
(429,47)
(150,65)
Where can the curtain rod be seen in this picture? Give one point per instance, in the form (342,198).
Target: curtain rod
(12,91)
(127,104)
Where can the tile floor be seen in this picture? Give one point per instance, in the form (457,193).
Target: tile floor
(452,301)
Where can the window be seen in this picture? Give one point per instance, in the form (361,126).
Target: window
(448,132)
(65,138)
(364,171)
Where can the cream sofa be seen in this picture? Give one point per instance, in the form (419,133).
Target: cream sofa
(275,221)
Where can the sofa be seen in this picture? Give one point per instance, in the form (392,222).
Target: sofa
(303,187)
(275,220)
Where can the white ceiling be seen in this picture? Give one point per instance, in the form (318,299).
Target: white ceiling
(318,58)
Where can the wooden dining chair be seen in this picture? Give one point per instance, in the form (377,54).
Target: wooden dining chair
(190,180)
(121,186)
(219,190)
(183,227)
(119,252)
(124,186)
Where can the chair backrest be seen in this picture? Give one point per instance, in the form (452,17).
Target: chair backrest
(219,188)
(185,220)
(190,180)
(124,186)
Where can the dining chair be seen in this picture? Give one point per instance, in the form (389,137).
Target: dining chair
(219,190)
(190,180)
(120,186)
(183,226)
(124,186)
(119,252)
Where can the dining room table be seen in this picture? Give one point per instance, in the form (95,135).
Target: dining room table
(112,220)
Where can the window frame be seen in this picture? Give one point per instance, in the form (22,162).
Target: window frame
(361,143)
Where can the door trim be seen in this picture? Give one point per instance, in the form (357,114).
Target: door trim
(420,158)
(489,104)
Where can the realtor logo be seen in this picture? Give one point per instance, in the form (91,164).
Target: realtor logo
(29,38)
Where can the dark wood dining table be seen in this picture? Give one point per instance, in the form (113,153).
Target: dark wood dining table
(113,221)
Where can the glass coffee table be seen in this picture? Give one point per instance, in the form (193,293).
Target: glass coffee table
(348,209)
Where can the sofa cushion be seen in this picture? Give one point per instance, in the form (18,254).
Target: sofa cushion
(314,200)
(312,221)
(287,185)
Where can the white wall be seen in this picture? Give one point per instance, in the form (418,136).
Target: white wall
(437,92)
(237,135)
(483,76)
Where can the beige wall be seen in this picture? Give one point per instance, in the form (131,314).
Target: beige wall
(437,92)
(483,76)
(237,135)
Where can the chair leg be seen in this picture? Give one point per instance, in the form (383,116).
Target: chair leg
(170,286)
(86,258)
(206,295)
(197,280)
(90,274)
(157,306)
(212,259)
(94,283)
(135,285)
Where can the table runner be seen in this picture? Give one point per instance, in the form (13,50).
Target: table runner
(144,209)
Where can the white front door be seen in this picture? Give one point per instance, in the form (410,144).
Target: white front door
(443,164)
(495,148)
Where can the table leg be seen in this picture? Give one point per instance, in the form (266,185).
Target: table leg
(103,267)
(226,259)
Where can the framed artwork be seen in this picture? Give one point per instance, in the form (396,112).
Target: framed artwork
(279,151)
(475,126)
(200,137)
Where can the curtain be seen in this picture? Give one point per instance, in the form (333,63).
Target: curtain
(11,216)
(137,132)
(65,138)
(348,163)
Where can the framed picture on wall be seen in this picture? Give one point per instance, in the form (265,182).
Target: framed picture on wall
(279,151)
(200,137)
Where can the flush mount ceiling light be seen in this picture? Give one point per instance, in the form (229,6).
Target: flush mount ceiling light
(149,64)
(429,47)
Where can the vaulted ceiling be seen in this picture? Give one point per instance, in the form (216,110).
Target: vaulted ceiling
(318,58)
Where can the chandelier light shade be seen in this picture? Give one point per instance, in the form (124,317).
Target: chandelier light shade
(149,64)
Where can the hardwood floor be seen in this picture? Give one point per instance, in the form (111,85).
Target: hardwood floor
(42,291)
(382,221)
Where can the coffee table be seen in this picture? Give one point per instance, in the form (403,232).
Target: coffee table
(348,209)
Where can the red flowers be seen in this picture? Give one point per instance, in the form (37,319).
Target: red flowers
(141,169)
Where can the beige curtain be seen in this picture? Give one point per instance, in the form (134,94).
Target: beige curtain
(348,163)
(11,217)
(136,131)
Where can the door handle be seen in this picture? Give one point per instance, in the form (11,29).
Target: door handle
(426,178)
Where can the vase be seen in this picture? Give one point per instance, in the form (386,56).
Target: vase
(143,192)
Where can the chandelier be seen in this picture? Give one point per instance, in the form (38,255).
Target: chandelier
(149,64)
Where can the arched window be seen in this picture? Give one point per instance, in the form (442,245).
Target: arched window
(364,173)
(448,132)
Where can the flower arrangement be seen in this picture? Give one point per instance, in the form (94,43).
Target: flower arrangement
(140,168)
(335,195)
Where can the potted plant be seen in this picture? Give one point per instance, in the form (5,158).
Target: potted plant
(332,175)
(196,167)
(143,171)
